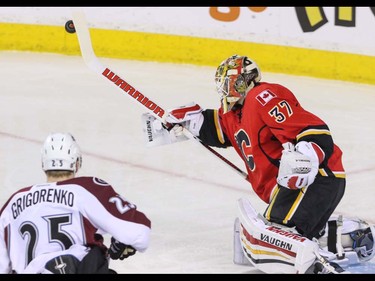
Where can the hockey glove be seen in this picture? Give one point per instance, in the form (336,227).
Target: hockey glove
(299,165)
(189,116)
(156,133)
(119,250)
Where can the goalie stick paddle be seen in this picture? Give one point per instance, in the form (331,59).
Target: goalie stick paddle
(92,62)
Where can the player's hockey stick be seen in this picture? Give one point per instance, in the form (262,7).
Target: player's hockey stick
(91,60)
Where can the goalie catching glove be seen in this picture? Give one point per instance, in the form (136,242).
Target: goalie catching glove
(119,250)
(178,122)
(299,165)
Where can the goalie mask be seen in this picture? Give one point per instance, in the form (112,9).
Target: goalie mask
(60,152)
(234,78)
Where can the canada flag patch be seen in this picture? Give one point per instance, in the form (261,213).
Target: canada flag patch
(265,96)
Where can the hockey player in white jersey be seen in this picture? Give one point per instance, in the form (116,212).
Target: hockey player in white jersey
(57,226)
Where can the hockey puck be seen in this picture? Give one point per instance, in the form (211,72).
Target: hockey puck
(69,26)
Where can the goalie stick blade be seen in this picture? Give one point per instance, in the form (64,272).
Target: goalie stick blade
(84,38)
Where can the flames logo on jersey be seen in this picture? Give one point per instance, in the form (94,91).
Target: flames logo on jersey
(265,96)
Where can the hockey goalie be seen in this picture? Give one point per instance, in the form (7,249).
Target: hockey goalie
(292,164)
(274,248)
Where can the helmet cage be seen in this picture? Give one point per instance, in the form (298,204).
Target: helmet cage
(234,78)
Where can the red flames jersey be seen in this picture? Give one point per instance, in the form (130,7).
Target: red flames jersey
(53,217)
(270,116)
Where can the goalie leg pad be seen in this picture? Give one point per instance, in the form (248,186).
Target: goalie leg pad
(238,255)
(273,248)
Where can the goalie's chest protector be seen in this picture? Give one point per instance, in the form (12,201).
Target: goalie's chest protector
(256,145)
(270,116)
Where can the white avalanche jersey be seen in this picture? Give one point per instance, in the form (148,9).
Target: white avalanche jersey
(55,217)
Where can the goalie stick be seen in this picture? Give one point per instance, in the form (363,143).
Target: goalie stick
(90,59)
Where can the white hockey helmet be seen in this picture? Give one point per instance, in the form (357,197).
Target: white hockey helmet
(60,152)
(234,78)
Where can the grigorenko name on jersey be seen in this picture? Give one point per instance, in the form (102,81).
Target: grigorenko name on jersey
(50,195)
